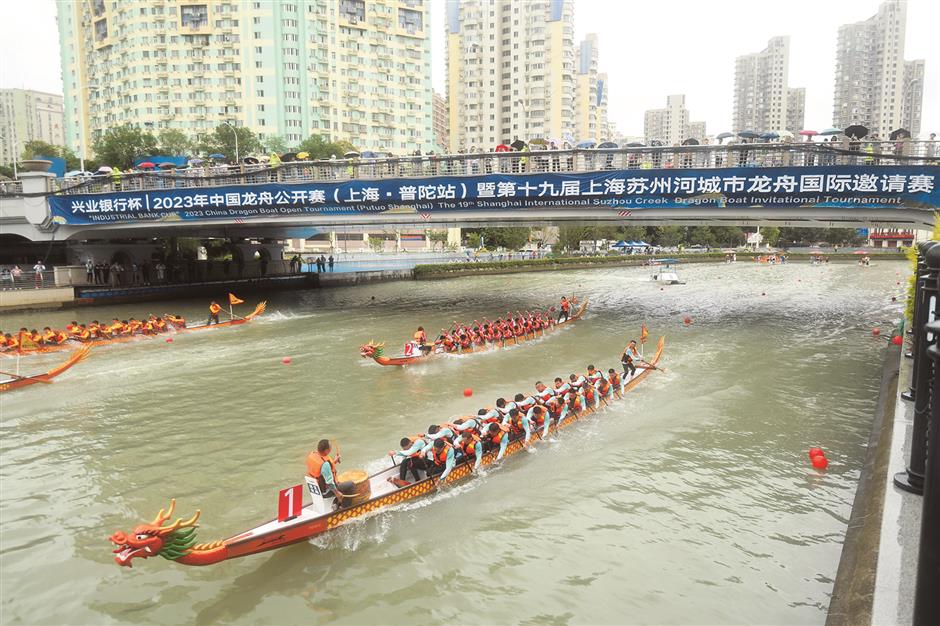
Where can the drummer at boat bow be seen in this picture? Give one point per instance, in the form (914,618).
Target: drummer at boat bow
(322,466)
(421,339)
(629,358)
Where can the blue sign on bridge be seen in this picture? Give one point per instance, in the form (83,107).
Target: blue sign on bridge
(849,186)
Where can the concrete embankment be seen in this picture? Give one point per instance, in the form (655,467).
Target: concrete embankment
(854,590)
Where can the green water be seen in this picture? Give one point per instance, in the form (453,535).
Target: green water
(691,502)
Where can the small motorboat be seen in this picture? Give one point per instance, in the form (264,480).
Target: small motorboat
(666,273)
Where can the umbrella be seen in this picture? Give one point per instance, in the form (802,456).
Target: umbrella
(856,131)
(635,144)
(196,161)
(749,134)
(900,133)
(287,157)
(554,140)
(104,169)
(352,154)
(518,144)
(146,165)
(808,133)
(264,158)
(167,166)
(691,141)
(585,145)
(216,156)
(784,134)
(831,131)
(503,148)
(303,156)
(538,142)
(724,135)
(608,144)
(368,154)
(656,143)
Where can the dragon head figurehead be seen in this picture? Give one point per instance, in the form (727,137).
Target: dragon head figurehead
(147,540)
(372,350)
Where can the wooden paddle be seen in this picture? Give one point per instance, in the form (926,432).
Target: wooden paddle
(36,378)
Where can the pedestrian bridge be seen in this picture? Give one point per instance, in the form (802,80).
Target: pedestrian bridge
(889,184)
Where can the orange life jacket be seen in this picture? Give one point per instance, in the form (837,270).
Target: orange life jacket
(315,463)
(615,381)
(498,437)
(49,337)
(565,305)
(440,456)
(13,342)
(214,308)
(469,446)
(421,337)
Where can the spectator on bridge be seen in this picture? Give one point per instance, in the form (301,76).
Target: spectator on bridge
(263,266)
(293,264)
(161,272)
(331,262)
(5,277)
(135,273)
(38,269)
(89,270)
(15,275)
(145,271)
(930,149)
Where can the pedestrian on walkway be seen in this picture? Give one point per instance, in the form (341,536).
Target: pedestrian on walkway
(38,269)
(15,274)
(331,262)
(89,270)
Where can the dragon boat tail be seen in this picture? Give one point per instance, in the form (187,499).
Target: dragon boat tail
(10,382)
(177,542)
(376,351)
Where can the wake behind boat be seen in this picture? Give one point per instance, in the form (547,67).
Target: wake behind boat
(383,490)
(477,338)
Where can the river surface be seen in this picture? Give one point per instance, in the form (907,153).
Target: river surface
(690,502)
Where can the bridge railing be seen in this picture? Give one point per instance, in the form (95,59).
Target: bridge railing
(530,161)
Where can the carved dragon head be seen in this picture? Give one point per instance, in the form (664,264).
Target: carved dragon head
(147,540)
(372,350)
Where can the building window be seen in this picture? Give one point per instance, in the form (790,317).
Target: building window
(353,10)
(194,16)
(101,30)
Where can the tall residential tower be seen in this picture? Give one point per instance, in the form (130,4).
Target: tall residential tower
(874,86)
(27,115)
(356,70)
(761,93)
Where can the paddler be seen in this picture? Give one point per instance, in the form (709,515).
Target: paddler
(176,320)
(421,339)
(322,466)
(496,436)
(214,310)
(10,342)
(628,359)
(470,446)
(615,382)
(412,455)
(441,457)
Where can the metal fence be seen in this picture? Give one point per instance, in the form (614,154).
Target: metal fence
(534,161)
(923,473)
(14,278)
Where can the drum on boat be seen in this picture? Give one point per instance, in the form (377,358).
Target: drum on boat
(362,487)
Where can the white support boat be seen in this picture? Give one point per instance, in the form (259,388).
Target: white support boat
(666,274)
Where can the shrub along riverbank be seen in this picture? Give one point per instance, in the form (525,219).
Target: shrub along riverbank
(452,270)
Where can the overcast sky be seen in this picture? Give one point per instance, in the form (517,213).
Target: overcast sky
(648,49)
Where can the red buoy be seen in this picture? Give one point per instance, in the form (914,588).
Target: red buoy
(816,452)
(820,462)
(169,339)
(467,392)
(286,360)
(897,340)
(687,320)
(875,332)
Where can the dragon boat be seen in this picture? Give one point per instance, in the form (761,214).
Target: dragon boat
(71,343)
(177,541)
(412,355)
(9,382)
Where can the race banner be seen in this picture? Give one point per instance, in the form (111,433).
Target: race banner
(849,186)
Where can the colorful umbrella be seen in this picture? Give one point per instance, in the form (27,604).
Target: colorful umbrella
(503,148)
(104,169)
(585,145)
(352,154)
(303,156)
(900,133)
(635,144)
(831,131)
(608,145)
(724,135)
(808,133)
(518,144)
(146,165)
(749,134)
(216,156)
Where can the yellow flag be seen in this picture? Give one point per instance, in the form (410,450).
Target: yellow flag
(233,299)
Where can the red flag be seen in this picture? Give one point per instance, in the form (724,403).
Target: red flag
(644,333)
(233,299)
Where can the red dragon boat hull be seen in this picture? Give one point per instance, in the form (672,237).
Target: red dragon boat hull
(71,343)
(411,360)
(9,384)
(274,534)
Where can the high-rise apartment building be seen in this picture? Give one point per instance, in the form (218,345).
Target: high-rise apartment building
(27,115)
(874,86)
(697,131)
(441,123)
(356,70)
(511,71)
(796,109)
(760,88)
(669,126)
(590,90)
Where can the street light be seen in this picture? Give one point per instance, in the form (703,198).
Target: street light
(81,122)
(235,133)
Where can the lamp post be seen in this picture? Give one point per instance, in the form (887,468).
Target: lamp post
(235,134)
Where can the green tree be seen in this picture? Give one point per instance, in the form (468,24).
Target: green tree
(437,237)
(276,144)
(174,142)
(570,237)
(222,141)
(728,235)
(668,235)
(320,149)
(377,244)
(37,148)
(511,238)
(120,145)
(771,234)
(701,235)
(631,233)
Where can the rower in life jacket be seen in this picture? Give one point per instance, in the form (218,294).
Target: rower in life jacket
(322,467)
(420,338)
(412,459)
(565,309)
(496,436)
(441,456)
(214,310)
